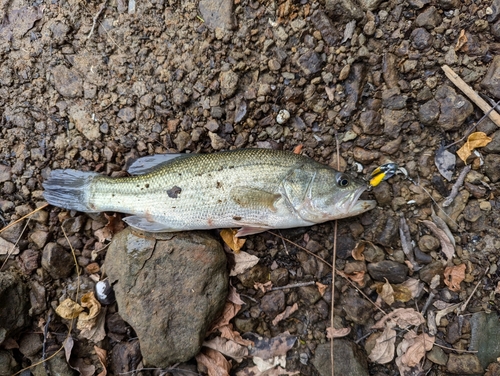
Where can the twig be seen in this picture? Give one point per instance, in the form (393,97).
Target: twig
(94,21)
(26,216)
(11,251)
(456,186)
(293,285)
(463,306)
(430,298)
(473,96)
(44,346)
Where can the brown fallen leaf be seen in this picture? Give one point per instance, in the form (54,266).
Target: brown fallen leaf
(227,332)
(227,347)
(332,333)
(229,237)
(383,352)
(358,277)
(402,317)
(453,276)
(412,349)
(285,314)
(243,262)
(474,141)
(102,355)
(357,252)
(230,310)
(212,362)
(69,309)
(386,292)
(446,246)
(234,297)
(264,287)
(91,324)
(462,40)
(321,288)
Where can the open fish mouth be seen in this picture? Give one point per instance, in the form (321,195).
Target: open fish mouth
(357,206)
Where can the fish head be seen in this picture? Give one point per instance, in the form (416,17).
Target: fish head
(334,196)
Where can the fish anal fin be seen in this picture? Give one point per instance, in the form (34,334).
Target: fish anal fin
(249,230)
(145,224)
(248,197)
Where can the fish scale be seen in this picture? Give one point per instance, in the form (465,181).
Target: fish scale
(255,189)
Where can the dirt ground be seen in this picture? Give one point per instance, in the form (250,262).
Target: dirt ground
(91,86)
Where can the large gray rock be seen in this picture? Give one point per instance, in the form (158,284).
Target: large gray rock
(14,304)
(169,288)
(349,359)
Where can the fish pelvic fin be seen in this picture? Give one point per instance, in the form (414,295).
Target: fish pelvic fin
(145,224)
(69,189)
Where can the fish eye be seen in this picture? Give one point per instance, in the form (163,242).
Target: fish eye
(342,180)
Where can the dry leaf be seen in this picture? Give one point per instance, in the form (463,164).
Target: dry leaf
(230,310)
(213,363)
(229,237)
(285,314)
(298,149)
(383,352)
(234,297)
(357,252)
(446,246)
(102,355)
(227,332)
(475,140)
(321,288)
(453,276)
(69,309)
(264,287)
(243,262)
(268,348)
(358,277)
(386,293)
(68,346)
(462,40)
(332,333)
(410,289)
(402,317)
(228,348)
(267,364)
(91,324)
(412,350)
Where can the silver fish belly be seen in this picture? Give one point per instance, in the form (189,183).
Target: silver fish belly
(253,189)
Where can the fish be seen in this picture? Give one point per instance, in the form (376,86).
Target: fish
(254,190)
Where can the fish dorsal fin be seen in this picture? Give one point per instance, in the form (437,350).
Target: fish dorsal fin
(254,198)
(297,185)
(150,163)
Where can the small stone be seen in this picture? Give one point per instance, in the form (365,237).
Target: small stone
(228,83)
(29,261)
(217,142)
(182,141)
(273,303)
(30,344)
(279,277)
(179,97)
(392,146)
(382,193)
(428,113)
(274,65)
(472,211)
(494,146)
(56,261)
(437,356)
(127,114)
(39,237)
(485,331)
(310,62)
(429,18)
(217,13)
(428,272)
(491,81)
(365,156)
(485,206)
(67,82)
(357,309)
(258,273)
(491,163)
(428,243)
(5,173)
(8,248)
(80,116)
(463,364)
(212,125)
(421,39)
(370,122)
(349,359)
(393,271)
(325,26)
(8,364)
(309,294)
(13,305)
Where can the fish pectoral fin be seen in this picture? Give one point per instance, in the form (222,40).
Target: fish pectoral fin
(150,163)
(249,230)
(143,224)
(248,197)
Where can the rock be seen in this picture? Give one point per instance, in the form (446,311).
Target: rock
(464,364)
(8,248)
(325,26)
(428,243)
(494,145)
(39,237)
(346,10)
(385,231)
(228,83)
(491,163)
(56,365)
(365,156)
(370,122)
(37,298)
(349,359)
(310,62)
(82,119)
(382,193)
(67,82)
(127,114)
(472,211)
(279,277)
(217,141)
(258,273)
(5,173)
(170,276)
(309,294)
(29,261)
(30,344)
(392,146)
(428,113)
(217,13)
(485,331)
(125,357)
(182,141)
(456,208)
(56,261)
(356,308)
(393,271)
(14,305)
(491,81)
(437,356)
(8,365)
(428,272)
(354,87)
(421,39)
(429,18)
(389,70)
(454,108)
(273,302)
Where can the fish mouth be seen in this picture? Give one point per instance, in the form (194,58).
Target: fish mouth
(358,206)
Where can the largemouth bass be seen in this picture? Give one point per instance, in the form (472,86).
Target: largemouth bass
(251,189)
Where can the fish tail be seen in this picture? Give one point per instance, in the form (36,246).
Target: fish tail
(69,189)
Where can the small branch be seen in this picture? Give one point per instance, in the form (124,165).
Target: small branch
(294,285)
(473,96)
(456,186)
(94,21)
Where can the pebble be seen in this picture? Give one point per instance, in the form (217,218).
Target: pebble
(309,294)
(365,156)
(125,357)
(463,364)
(324,25)
(421,39)
(494,145)
(29,261)
(428,272)
(356,308)
(353,88)
(5,173)
(258,273)
(491,163)
(39,237)
(228,83)
(279,277)
(310,62)
(393,271)
(428,243)
(127,114)
(217,13)
(370,122)
(217,142)
(472,211)
(8,364)
(491,81)
(382,193)
(437,356)
(182,141)
(485,331)
(179,97)
(13,305)
(349,359)
(80,116)
(67,82)
(273,303)
(8,248)
(429,18)
(56,261)
(30,344)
